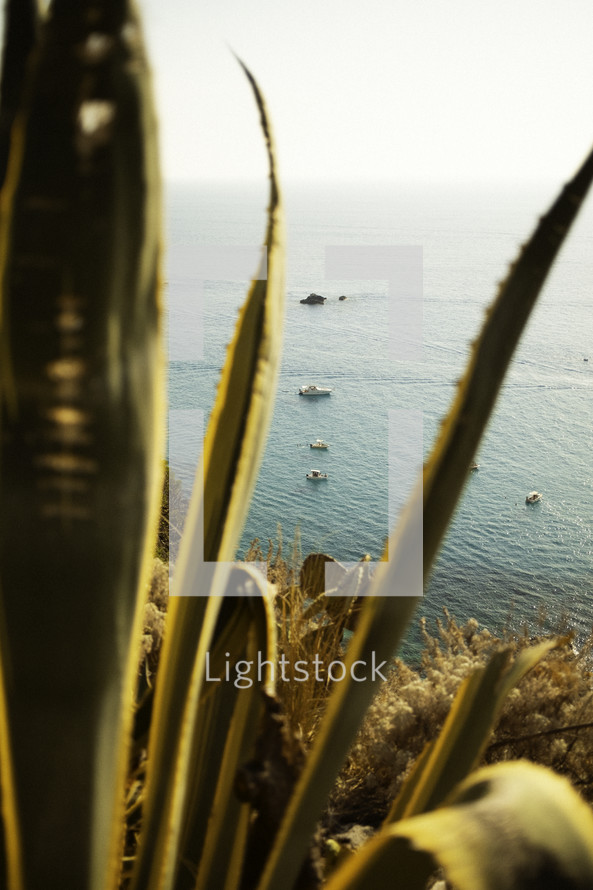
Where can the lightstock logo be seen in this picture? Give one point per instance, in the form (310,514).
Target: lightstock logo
(401,268)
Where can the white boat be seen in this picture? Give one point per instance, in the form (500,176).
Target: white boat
(319,443)
(316,474)
(313,390)
(533,497)
(474,466)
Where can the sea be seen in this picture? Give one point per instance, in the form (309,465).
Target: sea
(507,564)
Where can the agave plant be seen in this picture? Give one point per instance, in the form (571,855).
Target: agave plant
(227,804)
(82,405)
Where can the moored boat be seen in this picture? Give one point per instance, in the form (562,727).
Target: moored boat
(316,474)
(313,390)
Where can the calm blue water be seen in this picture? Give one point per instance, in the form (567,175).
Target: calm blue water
(501,557)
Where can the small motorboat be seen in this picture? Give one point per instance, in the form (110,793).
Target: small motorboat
(319,443)
(533,497)
(474,466)
(313,390)
(316,474)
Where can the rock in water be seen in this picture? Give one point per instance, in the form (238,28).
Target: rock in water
(314,298)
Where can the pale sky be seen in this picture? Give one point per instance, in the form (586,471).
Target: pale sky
(375,89)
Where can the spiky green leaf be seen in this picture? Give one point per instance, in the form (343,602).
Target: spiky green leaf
(382,623)
(445,472)
(386,612)
(81,383)
(509,826)
(464,736)
(233,449)
(20,32)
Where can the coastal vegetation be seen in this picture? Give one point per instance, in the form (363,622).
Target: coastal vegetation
(547,718)
(131,759)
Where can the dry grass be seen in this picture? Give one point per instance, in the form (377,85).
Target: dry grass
(305,630)
(547,718)
(155,615)
(174,506)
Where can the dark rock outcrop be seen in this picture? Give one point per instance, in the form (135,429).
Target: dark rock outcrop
(314,298)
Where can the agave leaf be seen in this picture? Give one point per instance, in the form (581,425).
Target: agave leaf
(233,448)
(227,827)
(209,754)
(465,733)
(387,862)
(215,756)
(237,853)
(20,26)
(383,616)
(382,623)
(11,842)
(243,408)
(510,823)
(446,469)
(508,826)
(218,702)
(81,437)
(312,574)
